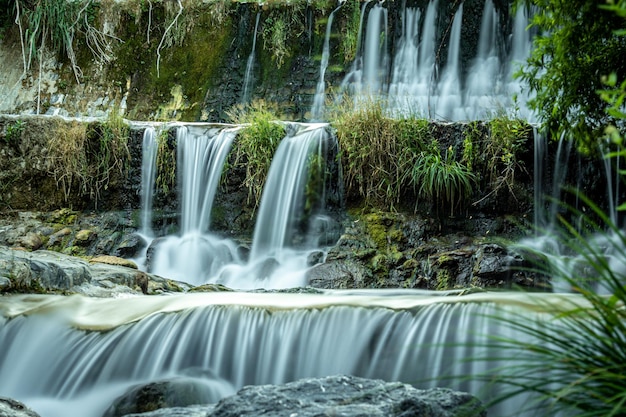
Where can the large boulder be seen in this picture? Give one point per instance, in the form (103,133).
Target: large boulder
(347,396)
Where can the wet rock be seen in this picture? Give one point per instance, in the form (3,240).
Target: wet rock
(5,283)
(347,396)
(315,258)
(175,392)
(57,237)
(492,265)
(14,408)
(130,246)
(191,411)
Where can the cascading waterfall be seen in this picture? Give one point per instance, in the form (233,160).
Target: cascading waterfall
(227,340)
(414,88)
(483,96)
(247,80)
(274,261)
(283,195)
(148,173)
(317,112)
(195,255)
(450,84)
(365,79)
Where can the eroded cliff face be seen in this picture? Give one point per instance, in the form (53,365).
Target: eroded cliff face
(187,60)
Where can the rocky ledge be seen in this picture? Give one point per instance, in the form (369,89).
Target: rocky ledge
(341,395)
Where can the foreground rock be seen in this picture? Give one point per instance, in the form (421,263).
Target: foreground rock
(45,271)
(13,408)
(345,396)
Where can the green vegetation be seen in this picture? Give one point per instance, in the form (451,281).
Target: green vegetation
(442,179)
(87,159)
(350,32)
(166,163)
(378,152)
(281,23)
(576,359)
(57,24)
(14,132)
(256,143)
(575,47)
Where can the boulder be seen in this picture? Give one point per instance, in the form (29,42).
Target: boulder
(347,396)
(178,392)
(13,408)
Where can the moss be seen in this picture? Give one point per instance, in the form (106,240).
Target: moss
(64,216)
(190,62)
(444,279)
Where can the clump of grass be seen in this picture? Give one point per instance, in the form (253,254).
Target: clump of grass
(256,143)
(378,151)
(442,179)
(88,159)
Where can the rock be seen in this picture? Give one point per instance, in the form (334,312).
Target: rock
(130,246)
(113,260)
(341,274)
(32,241)
(45,270)
(347,396)
(84,237)
(175,392)
(5,283)
(191,411)
(493,265)
(13,408)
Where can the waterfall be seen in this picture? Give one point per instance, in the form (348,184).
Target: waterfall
(449,103)
(365,80)
(283,194)
(520,50)
(148,173)
(483,97)
(229,340)
(317,112)
(405,63)
(247,80)
(195,256)
(487,89)
(201,157)
(374,54)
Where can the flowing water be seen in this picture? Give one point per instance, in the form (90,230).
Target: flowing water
(419,85)
(278,254)
(148,175)
(194,255)
(247,80)
(71,356)
(317,112)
